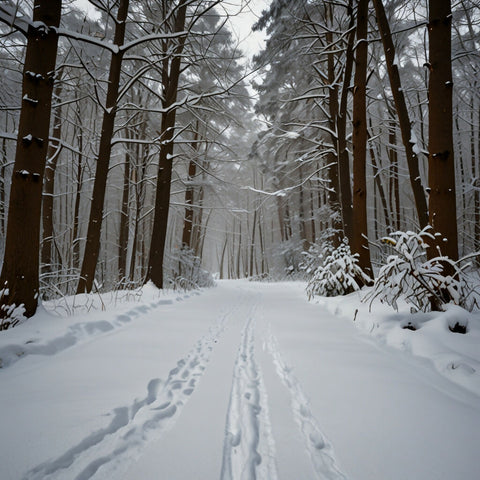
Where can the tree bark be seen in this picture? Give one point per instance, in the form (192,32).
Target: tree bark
(19,281)
(476,193)
(343,157)
(441,166)
(378,183)
(124,221)
(53,153)
(333,157)
(360,230)
(92,244)
(301,212)
(188,218)
(78,192)
(4,162)
(394,183)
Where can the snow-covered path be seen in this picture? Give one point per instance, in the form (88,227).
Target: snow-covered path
(245,381)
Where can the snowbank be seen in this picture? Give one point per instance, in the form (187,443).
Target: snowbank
(62,323)
(427,335)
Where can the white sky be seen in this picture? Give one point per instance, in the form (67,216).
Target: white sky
(241,23)
(244,13)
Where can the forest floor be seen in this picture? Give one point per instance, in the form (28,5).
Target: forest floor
(242,381)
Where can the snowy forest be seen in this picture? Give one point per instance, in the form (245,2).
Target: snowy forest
(139,144)
(239,239)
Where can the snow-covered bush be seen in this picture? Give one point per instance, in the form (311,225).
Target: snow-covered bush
(339,273)
(10,315)
(314,257)
(187,273)
(409,275)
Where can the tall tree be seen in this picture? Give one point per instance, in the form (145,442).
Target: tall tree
(441,166)
(332,157)
(170,78)
(92,244)
(342,152)
(360,230)
(19,281)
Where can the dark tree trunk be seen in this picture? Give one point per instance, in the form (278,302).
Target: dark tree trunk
(19,281)
(313,232)
(78,193)
(253,256)
(171,75)
(188,218)
(394,184)
(4,161)
(301,212)
(53,153)
(92,244)
(476,193)
(222,257)
(343,157)
(332,156)
(360,231)
(124,217)
(441,166)
(199,228)
(381,191)
(403,117)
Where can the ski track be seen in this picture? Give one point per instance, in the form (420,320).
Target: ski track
(320,449)
(249,447)
(133,426)
(77,333)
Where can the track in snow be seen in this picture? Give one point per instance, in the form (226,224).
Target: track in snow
(249,448)
(76,333)
(320,449)
(133,426)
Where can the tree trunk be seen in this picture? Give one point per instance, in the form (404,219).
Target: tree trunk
(162,200)
(332,156)
(313,230)
(19,280)
(78,195)
(394,183)
(188,218)
(4,162)
(124,221)
(403,117)
(476,193)
(53,153)
(301,211)
(199,228)
(92,244)
(253,255)
(222,257)
(360,231)
(381,191)
(342,155)
(441,166)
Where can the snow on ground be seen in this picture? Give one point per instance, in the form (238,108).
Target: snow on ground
(242,381)
(426,335)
